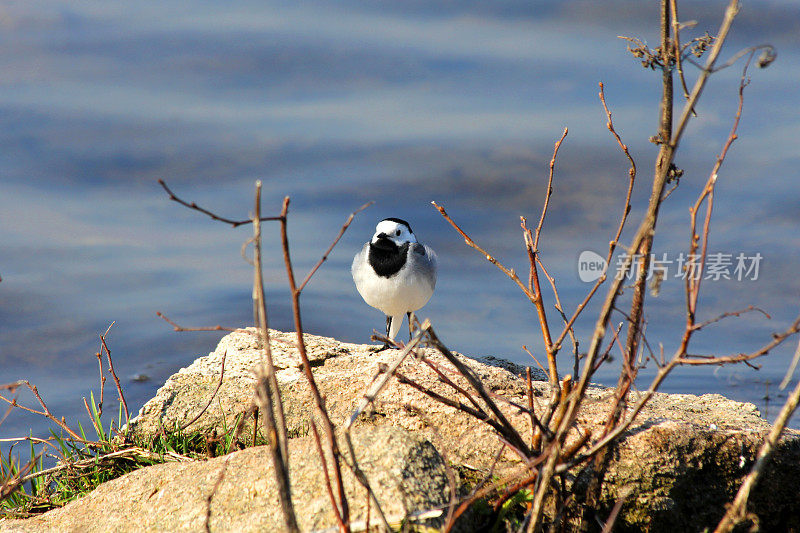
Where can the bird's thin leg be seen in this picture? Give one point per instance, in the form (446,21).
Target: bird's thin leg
(386,345)
(410,328)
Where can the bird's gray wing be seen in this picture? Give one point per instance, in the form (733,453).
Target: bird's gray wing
(424,261)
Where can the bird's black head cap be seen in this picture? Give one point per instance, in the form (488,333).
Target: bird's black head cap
(400,221)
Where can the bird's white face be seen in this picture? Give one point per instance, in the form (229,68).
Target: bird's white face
(394,231)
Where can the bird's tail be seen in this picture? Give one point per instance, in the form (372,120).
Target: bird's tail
(394,329)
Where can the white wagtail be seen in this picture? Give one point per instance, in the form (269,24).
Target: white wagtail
(394,273)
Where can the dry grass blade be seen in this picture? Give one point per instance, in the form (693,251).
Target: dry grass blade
(10,485)
(133,452)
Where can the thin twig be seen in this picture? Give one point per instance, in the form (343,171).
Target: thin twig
(608,527)
(192,205)
(102,381)
(693,279)
(677,51)
(114,374)
(538,304)
(214,489)
(176,327)
(510,433)
(524,347)
(549,190)
(261,321)
(328,486)
(362,478)
(789,372)
(319,402)
(730,13)
(267,392)
(377,386)
(623,219)
(447,381)
(738,509)
(213,395)
(44,412)
(455,404)
(728,314)
(333,244)
(560,309)
(489,257)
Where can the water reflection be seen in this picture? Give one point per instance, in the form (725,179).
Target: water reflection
(336,104)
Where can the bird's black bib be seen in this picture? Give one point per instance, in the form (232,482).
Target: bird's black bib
(386,258)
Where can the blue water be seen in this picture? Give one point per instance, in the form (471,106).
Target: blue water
(339,103)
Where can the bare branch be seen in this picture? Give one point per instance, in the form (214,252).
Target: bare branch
(211,398)
(623,219)
(728,314)
(738,509)
(677,50)
(319,402)
(377,386)
(192,205)
(549,191)
(45,410)
(333,244)
(267,392)
(677,358)
(104,346)
(468,240)
(176,327)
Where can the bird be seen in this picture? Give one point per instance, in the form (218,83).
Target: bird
(394,273)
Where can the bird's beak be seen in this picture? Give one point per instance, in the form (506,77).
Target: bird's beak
(382,240)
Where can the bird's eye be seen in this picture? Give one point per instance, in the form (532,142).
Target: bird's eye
(397,232)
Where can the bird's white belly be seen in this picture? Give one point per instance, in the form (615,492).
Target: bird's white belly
(395,295)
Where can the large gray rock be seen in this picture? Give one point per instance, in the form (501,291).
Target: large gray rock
(676,467)
(343,373)
(237,493)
